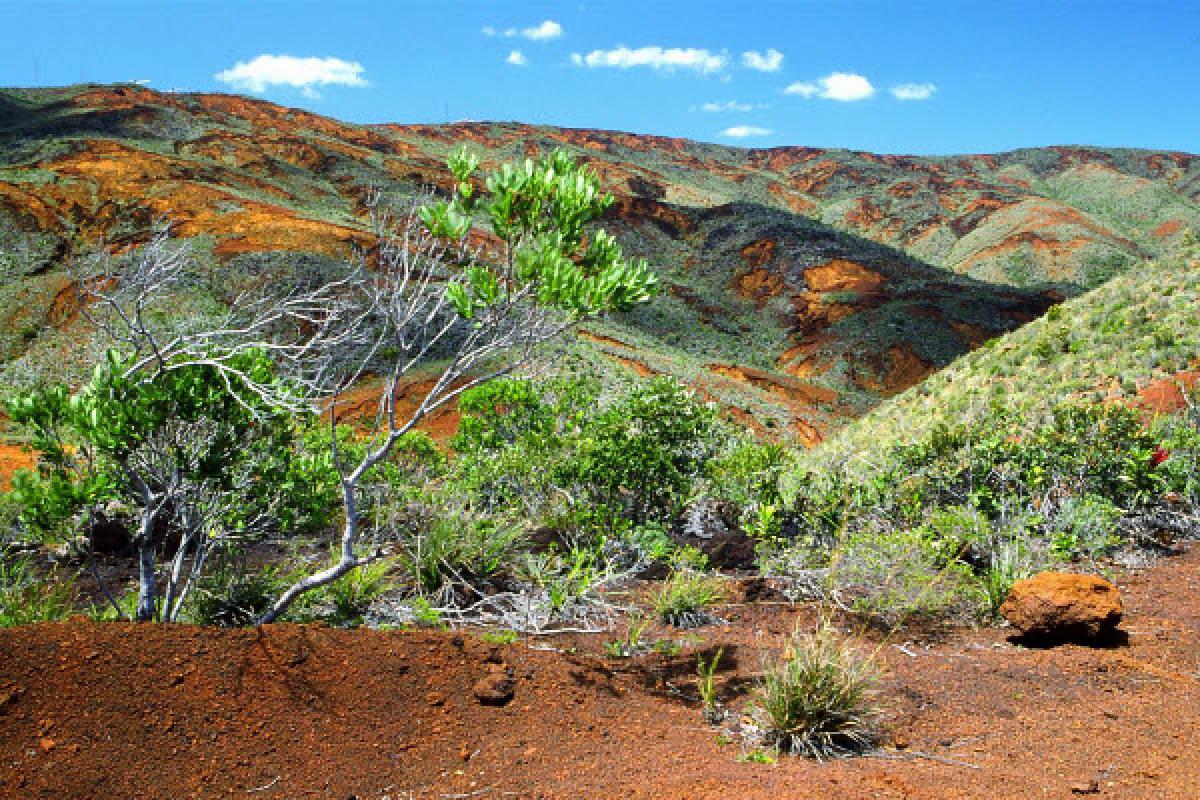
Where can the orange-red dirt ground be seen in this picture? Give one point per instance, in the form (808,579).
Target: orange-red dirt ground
(128,711)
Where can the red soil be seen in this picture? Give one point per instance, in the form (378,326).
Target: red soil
(121,710)
(1168,228)
(12,458)
(360,405)
(1169,395)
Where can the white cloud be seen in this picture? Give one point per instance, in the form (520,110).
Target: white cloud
(729,105)
(517,59)
(305,74)
(547,30)
(742,131)
(913,91)
(770,61)
(803,88)
(842,86)
(668,59)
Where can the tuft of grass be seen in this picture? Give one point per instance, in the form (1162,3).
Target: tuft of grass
(503,637)
(353,593)
(685,597)
(232,598)
(26,598)
(633,644)
(819,698)
(756,757)
(707,684)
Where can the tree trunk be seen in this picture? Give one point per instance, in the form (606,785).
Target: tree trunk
(147,586)
(344,564)
(147,590)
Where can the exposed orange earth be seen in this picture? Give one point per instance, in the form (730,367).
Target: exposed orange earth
(12,458)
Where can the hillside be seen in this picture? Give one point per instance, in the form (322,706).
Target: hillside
(1134,340)
(802,285)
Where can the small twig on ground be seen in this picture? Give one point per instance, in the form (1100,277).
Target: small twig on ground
(264,787)
(467,794)
(898,756)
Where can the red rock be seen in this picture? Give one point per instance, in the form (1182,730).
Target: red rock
(1061,606)
(496,688)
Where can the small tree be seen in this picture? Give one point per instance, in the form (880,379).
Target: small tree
(477,311)
(197,463)
(169,420)
(188,419)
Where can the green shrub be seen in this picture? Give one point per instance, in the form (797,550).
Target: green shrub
(26,597)
(1084,526)
(456,547)
(685,597)
(353,593)
(232,597)
(951,532)
(895,576)
(819,698)
(747,474)
(644,452)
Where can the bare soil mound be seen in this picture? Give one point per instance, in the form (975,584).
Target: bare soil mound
(129,711)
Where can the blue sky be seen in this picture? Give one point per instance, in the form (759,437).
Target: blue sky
(913,77)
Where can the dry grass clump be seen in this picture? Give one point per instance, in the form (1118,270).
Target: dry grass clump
(819,698)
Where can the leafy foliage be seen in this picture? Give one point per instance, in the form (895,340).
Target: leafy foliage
(26,597)
(86,440)
(540,210)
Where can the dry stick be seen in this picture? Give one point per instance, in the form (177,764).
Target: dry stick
(264,787)
(929,756)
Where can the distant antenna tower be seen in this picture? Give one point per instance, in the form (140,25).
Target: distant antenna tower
(446,111)
(35,72)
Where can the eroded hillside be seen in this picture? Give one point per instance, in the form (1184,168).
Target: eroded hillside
(802,285)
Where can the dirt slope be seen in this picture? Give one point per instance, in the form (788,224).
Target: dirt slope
(123,711)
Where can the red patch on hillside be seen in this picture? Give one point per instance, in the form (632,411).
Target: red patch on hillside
(865,214)
(840,275)
(1169,395)
(760,252)
(1168,228)
(358,407)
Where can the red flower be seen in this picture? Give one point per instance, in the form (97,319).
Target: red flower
(1158,456)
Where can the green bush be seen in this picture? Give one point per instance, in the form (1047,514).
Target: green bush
(232,596)
(644,452)
(353,593)
(896,576)
(1083,526)
(456,548)
(26,597)
(686,596)
(748,472)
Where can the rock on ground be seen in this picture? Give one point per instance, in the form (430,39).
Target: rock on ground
(1064,606)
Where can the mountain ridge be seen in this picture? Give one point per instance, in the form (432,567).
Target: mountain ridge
(803,285)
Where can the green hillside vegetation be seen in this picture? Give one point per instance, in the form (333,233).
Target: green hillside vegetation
(1104,346)
(1028,454)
